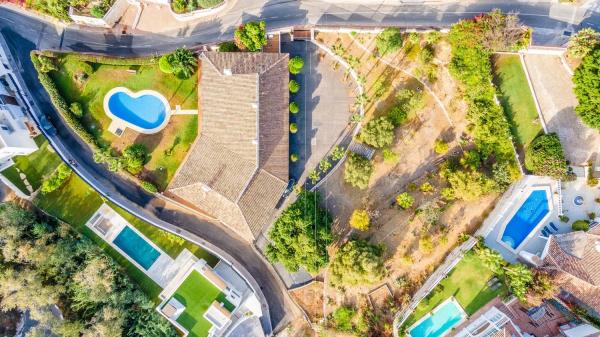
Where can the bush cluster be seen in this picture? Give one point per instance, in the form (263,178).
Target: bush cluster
(358,262)
(358,170)
(587,88)
(378,132)
(251,36)
(545,157)
(58,177)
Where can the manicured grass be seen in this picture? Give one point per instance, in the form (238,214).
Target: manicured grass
(91,91)
(75,202)
(467,282)
(167,156)
(196,293)
(35,166)
(516,98)
(167,148)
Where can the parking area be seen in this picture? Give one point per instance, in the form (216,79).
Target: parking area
(554,90)
(325,103)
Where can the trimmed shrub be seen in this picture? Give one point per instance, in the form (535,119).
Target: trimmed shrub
(405,200)
(293,127)
(228,46)
(165,65)
(293,157)
(440,147)
(251,36)
(295,65)
(58,177)
(581,225)
(358,170)
(76,109)
(148,186)
(338,153)
(294,86)
(360,220)
(294,107)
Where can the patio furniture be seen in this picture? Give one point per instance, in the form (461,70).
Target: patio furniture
(553,226)
(544,233)
(547,229)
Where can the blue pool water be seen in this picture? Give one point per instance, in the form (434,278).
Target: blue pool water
(528,216)
(136,247)
(447,316)
(146,111)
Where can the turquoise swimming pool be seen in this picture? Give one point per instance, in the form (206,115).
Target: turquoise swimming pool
(527,217)
(130,242)
(443,318)
(146,111)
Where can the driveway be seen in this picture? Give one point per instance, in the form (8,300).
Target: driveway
(325,102)
(554,90)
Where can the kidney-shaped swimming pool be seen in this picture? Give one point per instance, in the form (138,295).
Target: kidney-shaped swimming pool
(145,111)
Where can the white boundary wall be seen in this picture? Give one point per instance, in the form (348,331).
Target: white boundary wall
(108,20)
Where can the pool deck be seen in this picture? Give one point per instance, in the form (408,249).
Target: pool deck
(107,224)
(535,242)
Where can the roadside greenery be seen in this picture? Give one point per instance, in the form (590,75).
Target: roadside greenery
(583,42)
(250,36)
(545,157)
(587,88)
(358,170)
(45,263)
(388,41)
(58,177)
(357,262)
(228,46)
(301,234)
(473,42)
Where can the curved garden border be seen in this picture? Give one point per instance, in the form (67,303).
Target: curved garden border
(134,95)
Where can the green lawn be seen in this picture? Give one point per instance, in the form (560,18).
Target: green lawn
(167,148)
(35,166)
(75,202)
(516,98)
(196,293)
(467,282)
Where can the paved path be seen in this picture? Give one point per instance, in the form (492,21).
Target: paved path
(554,90)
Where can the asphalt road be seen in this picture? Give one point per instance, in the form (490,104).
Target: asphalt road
(25,33)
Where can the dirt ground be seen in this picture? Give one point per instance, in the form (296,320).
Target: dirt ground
(401,231)
(554,91)
(310,299)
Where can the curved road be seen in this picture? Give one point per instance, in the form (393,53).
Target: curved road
(25,32)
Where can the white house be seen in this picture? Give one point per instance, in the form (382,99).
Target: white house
(16,130)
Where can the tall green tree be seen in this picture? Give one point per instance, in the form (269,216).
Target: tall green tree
(518,278)
(134,157)
(587,88)
(545,157)
(388,41)
(378,132)
(358,170)
(583,42)
(251,36)
(301,234)
(358,262)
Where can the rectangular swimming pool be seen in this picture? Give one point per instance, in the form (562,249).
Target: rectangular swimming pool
(526,219)
(130,242)
(443,318)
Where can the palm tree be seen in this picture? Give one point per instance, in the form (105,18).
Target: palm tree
(183,62)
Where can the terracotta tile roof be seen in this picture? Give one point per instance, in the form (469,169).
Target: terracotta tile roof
(264,190)
(584,292)
(238,168)
(576,253)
